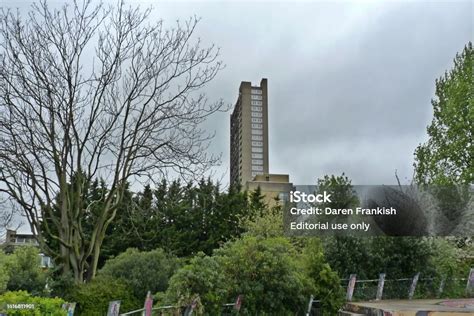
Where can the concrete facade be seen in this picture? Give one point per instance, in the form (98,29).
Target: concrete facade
(275,187)
(249,162)
(249,133)
(14,239)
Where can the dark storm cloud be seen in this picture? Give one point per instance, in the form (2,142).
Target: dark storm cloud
(350,85)
(350,82)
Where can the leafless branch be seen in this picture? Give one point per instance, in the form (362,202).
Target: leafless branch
(103,92)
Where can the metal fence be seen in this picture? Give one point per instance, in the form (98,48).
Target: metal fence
(383,288)
(415,287)
(188,310)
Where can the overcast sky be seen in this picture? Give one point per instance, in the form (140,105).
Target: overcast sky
(350,82)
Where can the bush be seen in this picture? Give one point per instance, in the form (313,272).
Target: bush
(271,274)
(268,272)
(42,305)
(142,271)
(24,271)
(4,271)
(326,281)
(59,283)
(202,277)
(398,257)
(93,298)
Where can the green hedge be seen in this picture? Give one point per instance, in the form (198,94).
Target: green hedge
(93,298)
(43,306)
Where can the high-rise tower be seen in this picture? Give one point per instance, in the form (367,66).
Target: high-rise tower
(249,133)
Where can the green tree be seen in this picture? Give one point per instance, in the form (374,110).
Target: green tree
(142,271)
(268,224)
(367,257)
(93,298)
(42,305)
(446,159)
(327,286)
(400,257)
(203,277)
(25,272)
(4,271)
(257,202)
(268,272)
(273,275)
(183,219)
(448,156)
(342,193)
(347,255)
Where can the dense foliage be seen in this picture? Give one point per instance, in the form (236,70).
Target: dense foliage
(269,274)
(142,271)
(21,270)
(398,257)
(448,155)
(93,298)
(42,305)
(4,271)
(182,219)
(272,274)
(202,278)
(326,281)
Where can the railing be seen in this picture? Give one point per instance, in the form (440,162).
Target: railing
(187,310)
(142,310)
(415,287)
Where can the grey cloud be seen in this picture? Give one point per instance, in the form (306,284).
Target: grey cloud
(350,83)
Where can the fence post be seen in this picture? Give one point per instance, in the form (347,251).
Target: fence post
(380,286)
(190,308)
(470,282)
(411,293)
(442,283)
(238,303)
(310,304)
(114,308)
(350,287)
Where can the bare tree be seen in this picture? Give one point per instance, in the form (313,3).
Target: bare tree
(96,92)
(8,218)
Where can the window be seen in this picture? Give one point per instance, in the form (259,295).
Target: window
(256,91)
(284,197)
(257,162)
(257,156)
(254,173)
(259,144)
(256,97)
(257,168)
(257,149)
(257,137)
(256,102)
(257,132)
(257,126)
(256,114)
(45,261)
(256,120)
(257,108)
